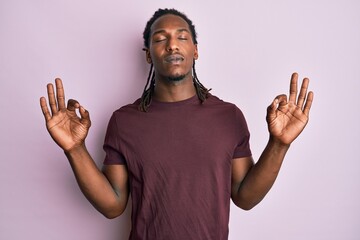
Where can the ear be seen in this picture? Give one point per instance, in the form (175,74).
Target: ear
(196,52)
(147,55)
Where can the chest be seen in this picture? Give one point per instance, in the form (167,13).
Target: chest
(173,142)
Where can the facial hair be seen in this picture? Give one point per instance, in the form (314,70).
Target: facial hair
(176,78)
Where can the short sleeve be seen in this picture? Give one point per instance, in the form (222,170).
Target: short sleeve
(111,144)
(243,135)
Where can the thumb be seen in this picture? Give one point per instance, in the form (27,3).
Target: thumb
(271,110)
(85,117)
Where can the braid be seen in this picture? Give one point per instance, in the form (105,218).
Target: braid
(147,94)
(201,91)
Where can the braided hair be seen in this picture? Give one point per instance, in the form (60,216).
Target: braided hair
(201,91)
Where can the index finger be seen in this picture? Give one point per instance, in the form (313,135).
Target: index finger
(45,109)
(293,87)
(60,94)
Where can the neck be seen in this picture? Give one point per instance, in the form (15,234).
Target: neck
(174,91)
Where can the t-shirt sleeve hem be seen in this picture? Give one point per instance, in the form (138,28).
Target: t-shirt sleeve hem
(109,161)
(242,154)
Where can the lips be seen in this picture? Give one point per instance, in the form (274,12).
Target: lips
(174,59)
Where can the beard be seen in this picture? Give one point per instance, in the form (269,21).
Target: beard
(176,78)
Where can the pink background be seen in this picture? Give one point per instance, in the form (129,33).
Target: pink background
(248,50)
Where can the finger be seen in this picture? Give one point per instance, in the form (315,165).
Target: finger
(293,87)
(303,92)
(45,109)
(51,96)
(279,101)
(72,105)
(282,100)
(60,94)
(308,103)
(273,106)
(85,117)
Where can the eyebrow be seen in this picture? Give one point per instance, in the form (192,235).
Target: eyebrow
(163,31)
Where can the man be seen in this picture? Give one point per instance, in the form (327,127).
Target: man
(180,151)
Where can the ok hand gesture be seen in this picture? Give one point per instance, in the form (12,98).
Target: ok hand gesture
(66,128)
(287,118)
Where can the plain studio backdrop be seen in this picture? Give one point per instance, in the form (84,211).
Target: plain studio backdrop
(248,50)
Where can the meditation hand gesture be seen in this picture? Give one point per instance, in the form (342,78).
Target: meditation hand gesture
(66,128)
(287,118)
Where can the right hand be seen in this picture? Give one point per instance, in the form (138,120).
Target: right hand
(66,128)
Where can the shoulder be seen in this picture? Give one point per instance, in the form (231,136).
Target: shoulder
(128,108)
(125,114)
(231,108)
(213,100)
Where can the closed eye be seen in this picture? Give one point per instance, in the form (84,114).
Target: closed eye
(159,40)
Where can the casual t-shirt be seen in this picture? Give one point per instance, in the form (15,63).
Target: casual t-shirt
(178,156)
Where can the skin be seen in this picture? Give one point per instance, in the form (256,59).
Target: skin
(286,119)
(108,189)
(171,36)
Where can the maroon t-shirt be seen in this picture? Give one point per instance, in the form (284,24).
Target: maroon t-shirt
(179,160)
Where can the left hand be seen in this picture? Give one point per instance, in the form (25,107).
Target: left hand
(287,118)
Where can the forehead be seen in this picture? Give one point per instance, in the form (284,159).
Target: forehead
(168,22)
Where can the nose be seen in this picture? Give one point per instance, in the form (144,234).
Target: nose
(172,45)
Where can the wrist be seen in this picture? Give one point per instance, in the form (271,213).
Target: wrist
(275,142)
(76,150)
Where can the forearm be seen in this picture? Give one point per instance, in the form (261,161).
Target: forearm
(94,185)
(261,176)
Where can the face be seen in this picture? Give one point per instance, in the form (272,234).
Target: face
(171,48)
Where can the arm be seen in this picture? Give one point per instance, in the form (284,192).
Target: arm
(286,119)
(107,190)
